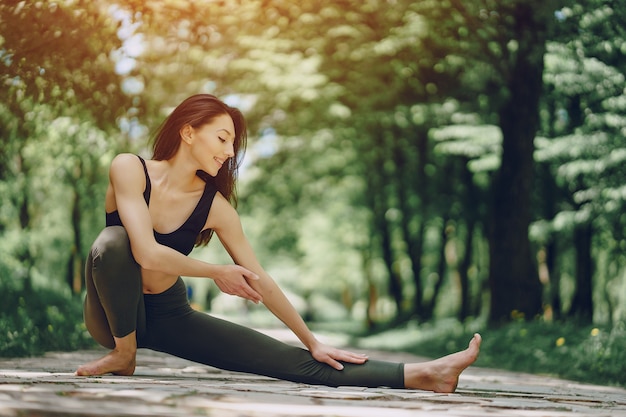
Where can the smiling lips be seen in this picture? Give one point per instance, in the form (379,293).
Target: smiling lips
(220,161)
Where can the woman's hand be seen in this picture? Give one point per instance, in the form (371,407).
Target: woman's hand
(332,356)
(233,280)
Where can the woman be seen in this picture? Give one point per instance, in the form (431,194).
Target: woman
(156,211)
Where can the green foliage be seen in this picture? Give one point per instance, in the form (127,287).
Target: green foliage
(49,53)
(34,321)
(567,350)
(61,96)
(382,123)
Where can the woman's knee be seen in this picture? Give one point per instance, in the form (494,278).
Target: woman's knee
(112,244)
(111,239)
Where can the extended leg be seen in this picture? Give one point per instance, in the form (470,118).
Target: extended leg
(205,339)
(180,331)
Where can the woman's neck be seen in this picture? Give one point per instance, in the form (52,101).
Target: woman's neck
(179,173)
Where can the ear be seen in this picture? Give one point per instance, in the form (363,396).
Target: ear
(186,133)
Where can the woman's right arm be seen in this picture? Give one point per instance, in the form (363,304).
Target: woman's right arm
(127,179)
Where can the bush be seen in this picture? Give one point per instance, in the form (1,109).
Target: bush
(35,321)
(565,349)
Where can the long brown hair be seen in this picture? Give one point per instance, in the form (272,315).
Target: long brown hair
(196,111)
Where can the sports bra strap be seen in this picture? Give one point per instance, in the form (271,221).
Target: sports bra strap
(148,189)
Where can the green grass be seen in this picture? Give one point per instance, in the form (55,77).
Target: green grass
(588,354)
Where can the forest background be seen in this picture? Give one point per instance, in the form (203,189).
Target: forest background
(423,167)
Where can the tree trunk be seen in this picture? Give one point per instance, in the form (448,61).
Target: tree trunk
(395,282)
(371,294)
(77,258)
(23,252)
(471,203)
(410,177)
(582,302)
(548,196)
(513,277)
(378,199)
(429,308)
(415,250)
(555,279)
(464,266)
(414,244)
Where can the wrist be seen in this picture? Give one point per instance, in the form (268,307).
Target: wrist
(311,342)
(213,271)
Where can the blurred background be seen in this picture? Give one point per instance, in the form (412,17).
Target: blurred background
(416,170)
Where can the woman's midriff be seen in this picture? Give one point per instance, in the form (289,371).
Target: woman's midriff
(156,282)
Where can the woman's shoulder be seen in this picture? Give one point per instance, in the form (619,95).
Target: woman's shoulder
(126,159)
(126,166)
(127,162)
(128,173)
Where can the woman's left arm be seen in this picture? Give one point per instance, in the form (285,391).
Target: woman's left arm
(224,220)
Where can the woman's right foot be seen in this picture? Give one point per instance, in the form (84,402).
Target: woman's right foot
(116,363)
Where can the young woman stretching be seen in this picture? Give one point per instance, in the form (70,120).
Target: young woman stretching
(156,211)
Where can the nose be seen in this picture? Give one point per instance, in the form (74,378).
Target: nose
(229,150)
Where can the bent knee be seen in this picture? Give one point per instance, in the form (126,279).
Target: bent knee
(113,242)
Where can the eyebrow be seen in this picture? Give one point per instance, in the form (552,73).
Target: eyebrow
(225,130)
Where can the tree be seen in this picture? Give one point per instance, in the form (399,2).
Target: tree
(52,66)
(509,37)
(513,275)
(583,150)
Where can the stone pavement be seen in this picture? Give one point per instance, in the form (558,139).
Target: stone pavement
(167,386)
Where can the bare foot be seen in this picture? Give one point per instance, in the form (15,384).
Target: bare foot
(116,362)
(442,375)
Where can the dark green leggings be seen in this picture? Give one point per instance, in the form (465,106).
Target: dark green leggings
(165,322)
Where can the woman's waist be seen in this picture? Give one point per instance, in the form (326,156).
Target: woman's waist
(172,301)
(154,282)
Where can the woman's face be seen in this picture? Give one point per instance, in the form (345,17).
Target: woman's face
(213,143)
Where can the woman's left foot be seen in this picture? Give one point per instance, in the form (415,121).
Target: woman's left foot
(116,363)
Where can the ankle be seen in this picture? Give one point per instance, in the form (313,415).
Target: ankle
(418,375)
(127,345)
(125,353)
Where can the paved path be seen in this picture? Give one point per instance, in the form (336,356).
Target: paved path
(168,386)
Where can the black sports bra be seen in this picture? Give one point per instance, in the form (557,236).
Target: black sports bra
(182,239)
